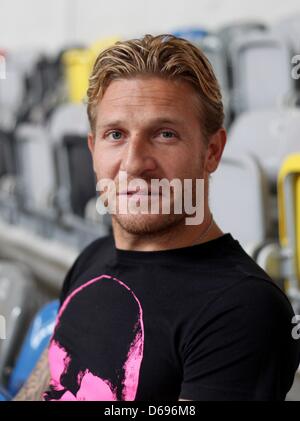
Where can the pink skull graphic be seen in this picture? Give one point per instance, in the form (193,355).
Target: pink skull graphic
(97,346)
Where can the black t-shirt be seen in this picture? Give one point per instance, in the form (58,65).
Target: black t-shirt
(200,323)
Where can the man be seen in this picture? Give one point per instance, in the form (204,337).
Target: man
(165,309)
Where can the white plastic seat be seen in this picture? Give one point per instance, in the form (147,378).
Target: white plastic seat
(235,30)
(289,29)
(36,171)
(239,200)
(270,135)
(69,129)
(11,94)
(261,67)
(17,306)
(213,48)
(70,118)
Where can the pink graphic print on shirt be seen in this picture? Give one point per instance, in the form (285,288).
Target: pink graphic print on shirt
(115,315)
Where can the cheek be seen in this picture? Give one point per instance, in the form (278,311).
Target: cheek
(183,165)
(106,162)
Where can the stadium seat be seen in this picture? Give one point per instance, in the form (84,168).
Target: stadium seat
(68,129)
(270,135)
(78,65)
(261,69)
(7,154)
(192,34)
(36,179)
(101,44)
(44,89)
(11,94)
(36,340)
(289,29)
(246,217)
(233,31)
(8,165)
(17,306)
(82,183)
(289,222)
(213,48)
(4,395)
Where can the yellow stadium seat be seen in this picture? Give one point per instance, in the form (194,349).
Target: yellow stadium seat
(289,215)
(78,66)
(77,70)
(101,45)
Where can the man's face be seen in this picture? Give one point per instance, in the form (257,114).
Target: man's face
(149,128)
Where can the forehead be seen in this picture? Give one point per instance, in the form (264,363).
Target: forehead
(148,95)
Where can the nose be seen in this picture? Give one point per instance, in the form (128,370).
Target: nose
(138,159)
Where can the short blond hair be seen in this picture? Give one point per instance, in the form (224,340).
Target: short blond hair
(165,56)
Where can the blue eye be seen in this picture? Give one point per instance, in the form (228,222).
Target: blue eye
(116,135)
(167,134)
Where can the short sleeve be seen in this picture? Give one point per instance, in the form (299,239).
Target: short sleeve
(242,347)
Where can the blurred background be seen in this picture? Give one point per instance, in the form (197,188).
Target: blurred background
(47,186)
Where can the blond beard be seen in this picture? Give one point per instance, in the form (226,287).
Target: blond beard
(148,224)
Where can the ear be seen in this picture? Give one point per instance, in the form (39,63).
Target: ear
(215,150)
(91,146)
(91,143)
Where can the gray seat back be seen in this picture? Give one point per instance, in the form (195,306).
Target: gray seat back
(17,305)
(239,199)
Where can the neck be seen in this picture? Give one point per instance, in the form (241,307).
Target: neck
(181,235)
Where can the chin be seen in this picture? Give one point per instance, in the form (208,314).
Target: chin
(147,224)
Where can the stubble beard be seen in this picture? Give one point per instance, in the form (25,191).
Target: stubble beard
(148,224)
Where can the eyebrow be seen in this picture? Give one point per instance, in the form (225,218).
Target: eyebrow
(153,122)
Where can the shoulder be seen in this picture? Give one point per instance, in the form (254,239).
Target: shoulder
(255,296)
(99,250)
(242,345)
(253,315)
(253,306)
(250,305)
